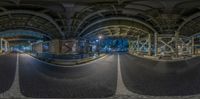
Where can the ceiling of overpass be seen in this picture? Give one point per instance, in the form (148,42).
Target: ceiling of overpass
(16,35)
(83,18)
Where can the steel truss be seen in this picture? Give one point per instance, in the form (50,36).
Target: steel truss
(167,45)
(141,45)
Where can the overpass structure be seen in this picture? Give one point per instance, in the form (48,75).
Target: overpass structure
(56,36)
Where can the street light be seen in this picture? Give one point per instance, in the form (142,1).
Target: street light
(99,37)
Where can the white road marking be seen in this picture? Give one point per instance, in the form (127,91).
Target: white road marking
(121,89)
(121,92)
(14,90)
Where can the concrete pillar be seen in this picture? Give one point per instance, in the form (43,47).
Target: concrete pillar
(149,44)
(193,47)
(155,44)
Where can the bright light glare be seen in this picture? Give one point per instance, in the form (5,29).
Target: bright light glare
(100,37)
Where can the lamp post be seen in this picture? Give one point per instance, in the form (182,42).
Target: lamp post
(99,48)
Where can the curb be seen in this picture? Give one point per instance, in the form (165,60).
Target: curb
(162,60)
(79,62)
(70,66)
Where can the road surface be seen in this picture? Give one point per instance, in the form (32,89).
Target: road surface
(155,78)
(102,78)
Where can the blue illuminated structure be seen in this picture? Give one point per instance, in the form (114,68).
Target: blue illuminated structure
(112,44)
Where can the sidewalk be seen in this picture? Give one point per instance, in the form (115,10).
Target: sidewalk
(75,61)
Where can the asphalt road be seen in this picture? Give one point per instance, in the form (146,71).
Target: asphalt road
(155,78)
(95,80)
(7,71)
(99,78)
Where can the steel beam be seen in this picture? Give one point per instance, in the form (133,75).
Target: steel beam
(188,20)
(87,17)
(35,14)
(118,18)
(110,26)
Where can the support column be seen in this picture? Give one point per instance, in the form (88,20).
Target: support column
(193,47)
(87,46)
(130,46)
(176,43)
(138,44)
(6,45)
(149,44)
(155,44)
(55,46)
(1,47)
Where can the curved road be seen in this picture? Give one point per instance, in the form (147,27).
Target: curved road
(100,78)
(7,71)
(95,80)
(155,78)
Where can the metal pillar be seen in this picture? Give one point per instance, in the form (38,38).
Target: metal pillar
(1,42)
(133,46)
(149,44)
(176,43)
(131,49)
(8,49)
(166,45)
(185,46)
(6,46)
(193,49)
(155,44)
(138,44)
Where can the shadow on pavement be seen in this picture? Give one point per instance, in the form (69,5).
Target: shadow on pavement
(95,80)
(157,78)
(7,71)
